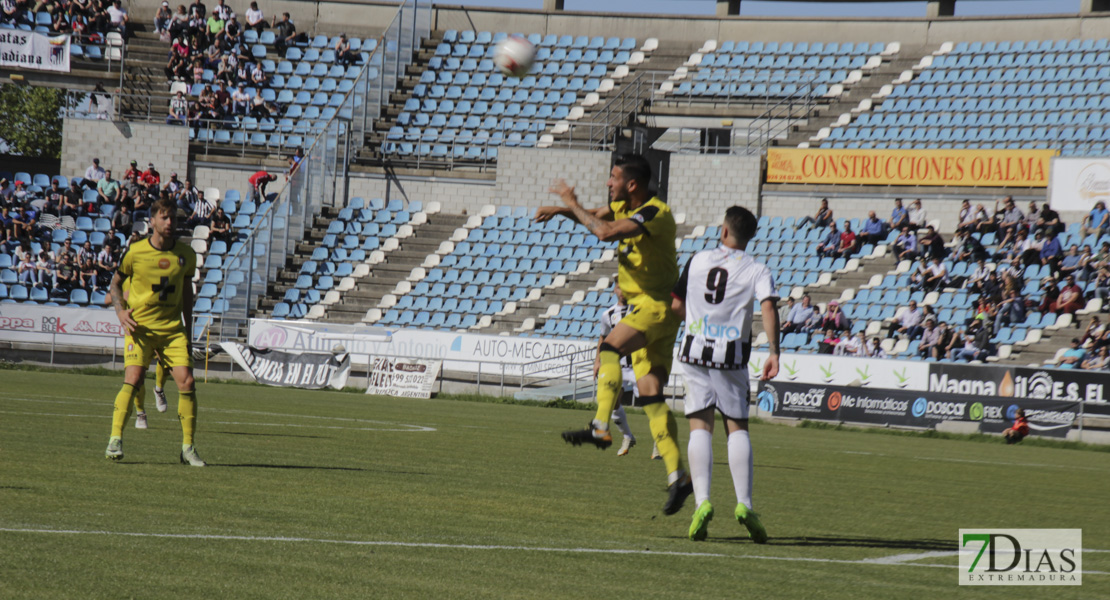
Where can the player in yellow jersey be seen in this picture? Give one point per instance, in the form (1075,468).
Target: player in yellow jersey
(160,374)
(644,228)
(157,316)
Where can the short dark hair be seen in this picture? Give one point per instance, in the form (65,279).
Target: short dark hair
(741,223)
(164,204)
(635,167)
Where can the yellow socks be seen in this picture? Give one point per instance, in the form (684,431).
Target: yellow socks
(160,374)
(140,398)
(664,429)
(187,412)
(608,385)
(122,412)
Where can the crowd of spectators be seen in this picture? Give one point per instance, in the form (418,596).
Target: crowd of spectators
(30,217)
(89,20)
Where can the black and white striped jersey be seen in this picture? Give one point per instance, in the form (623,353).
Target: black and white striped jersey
(609,320)
(719,288)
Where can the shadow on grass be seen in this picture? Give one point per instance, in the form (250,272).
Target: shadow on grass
(313,468)
(290,435)
(856,542)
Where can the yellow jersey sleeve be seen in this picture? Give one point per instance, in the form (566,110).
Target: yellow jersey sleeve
(648,263)
(157,283)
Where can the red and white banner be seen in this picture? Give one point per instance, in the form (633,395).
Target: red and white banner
(59,324)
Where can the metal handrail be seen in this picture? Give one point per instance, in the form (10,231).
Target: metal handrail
(779,117)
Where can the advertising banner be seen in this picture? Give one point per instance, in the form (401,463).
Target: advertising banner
(909,408)
(982,168)
(28,50)
(405,378)
(1018,382)
(465,352)
(64,325)
(845,370)
(306,370)
(1077,183)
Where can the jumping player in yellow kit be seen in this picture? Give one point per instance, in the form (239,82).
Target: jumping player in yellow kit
(645,230)
(157,316)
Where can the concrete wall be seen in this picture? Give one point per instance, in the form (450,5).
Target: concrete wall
(227,178)
(704,185)
(117,144)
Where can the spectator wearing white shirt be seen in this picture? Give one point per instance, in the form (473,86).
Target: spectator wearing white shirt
(240,100)
(255,19)
(118,17)
(855,345)
(909,323)
(917,215)
(93,174)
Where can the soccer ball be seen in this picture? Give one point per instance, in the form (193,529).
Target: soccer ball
(514,55)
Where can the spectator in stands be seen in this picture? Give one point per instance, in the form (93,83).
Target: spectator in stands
(258,183)
(830,243)
(823,217)
(834,318)
(1101,286)
(849,243)
(187,197)
(23,224)
(286,33)
(899,217)
(1027,247)
(86,273)
(784,310)
(932,244)
(6,227)
(1011,311)
(27,270)
(93,175)
(905,246)
(1049,293)
(1099,360)
(259,78)
(152,179)
(971,249)
(917,216)
(876,349)
(179,110)
(1008,217)
(907,324)
(74,200)
(1092,333)
(1070,299)
(855,345)
(55,199)
(1073,356)
(105,263)
(179,22)
(162,18)
(223,100)
(1096,221)
(343,53)
(220,226)
(173,186)
(936,275)
(255,19)
(7,192)
(233,32)
(1086,267)
(10,13)
(133,170)
(1051,252)
(298,156)
(796,321)
(214,25)
(122,220)
(118,17)
(240,100)
(1069,264)
(1048,220)
(65,275)
(828,343)
(971,219)
(975,342)
(131,191)
(873,230)
(1102,257)
(930,335)
(202,212)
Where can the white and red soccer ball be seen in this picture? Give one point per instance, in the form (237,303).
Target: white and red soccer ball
(514,55)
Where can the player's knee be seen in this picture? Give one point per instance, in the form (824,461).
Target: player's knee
(186,383)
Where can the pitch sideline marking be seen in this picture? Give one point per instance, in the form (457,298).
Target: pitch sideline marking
(379,543)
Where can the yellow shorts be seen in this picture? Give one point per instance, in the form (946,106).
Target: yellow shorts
(138,350)
(654,319)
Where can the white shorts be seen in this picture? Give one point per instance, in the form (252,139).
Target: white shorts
(725,390)
(628,381)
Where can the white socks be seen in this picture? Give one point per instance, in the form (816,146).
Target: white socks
(621,420)
(699,453)
(740,463)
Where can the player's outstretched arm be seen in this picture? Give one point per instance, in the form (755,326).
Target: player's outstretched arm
(122,312)
(771,326)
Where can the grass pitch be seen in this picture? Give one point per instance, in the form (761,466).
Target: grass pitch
(340,495)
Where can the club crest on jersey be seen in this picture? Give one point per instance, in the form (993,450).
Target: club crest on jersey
(181,261)
(164,263)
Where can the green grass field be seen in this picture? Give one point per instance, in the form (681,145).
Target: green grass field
(340,495)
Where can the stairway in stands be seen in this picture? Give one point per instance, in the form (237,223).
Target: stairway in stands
(146,91)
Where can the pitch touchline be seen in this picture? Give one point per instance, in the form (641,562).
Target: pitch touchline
(478,547)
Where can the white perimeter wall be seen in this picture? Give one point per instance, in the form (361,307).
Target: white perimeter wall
(117,144)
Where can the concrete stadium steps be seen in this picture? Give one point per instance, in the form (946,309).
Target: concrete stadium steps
(145,88)
(873,80)
(1051,341)
(399,263)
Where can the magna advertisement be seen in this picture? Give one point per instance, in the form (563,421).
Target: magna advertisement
(1018,382)
(911,409)
(1077,183)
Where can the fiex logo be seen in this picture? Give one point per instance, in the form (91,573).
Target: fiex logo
(706,328)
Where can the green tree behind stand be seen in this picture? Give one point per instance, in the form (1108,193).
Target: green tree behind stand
(32,123)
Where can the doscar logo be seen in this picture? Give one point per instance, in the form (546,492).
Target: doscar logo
(919,407)
(834,401)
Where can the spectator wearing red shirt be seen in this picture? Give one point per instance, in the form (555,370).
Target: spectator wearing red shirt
(258,183)
(151,178)
(847,241)
(1020,429)
(1070,298)
(133,170)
